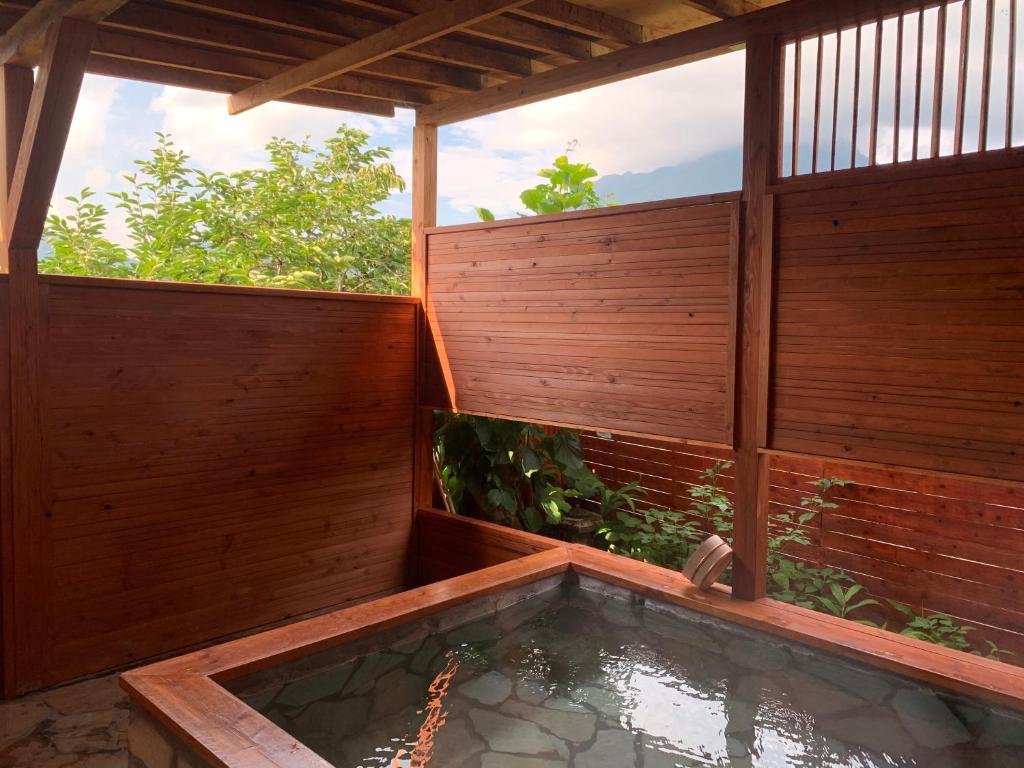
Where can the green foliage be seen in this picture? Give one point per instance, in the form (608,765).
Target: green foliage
(658,536)
(668,537)
(569,186)
(942,629)
(514,473)
(711,502)
(306,220)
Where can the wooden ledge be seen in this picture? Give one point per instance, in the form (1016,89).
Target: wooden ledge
(591,213)
(131,284)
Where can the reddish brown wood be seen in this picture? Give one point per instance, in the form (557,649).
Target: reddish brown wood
(1011,73)
(898,90)
(761,131)
(450,545)
(16,93)
(961,86)
(835,97)
(876,74)
(939,82)
(46,130)
(795,127)
(212,460)
(855,119)
(816,141)
(986,75)
(615,319)
(918,75)
(424,216)
(912,274)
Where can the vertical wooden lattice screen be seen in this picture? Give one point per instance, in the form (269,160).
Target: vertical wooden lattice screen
(936,81)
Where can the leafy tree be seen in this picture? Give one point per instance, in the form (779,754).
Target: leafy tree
(569,187)
(307,220)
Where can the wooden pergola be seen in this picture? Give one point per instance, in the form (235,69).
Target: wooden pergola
(453,61)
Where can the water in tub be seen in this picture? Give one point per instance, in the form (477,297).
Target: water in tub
(594,678)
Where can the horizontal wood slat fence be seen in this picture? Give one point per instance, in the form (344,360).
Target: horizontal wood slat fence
(621,318)
(213,460)
(934,543)
(899,323)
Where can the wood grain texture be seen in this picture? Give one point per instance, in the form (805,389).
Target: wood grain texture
(183,694)
(215,460)
(449,545)
(899,333)
(935,543)
(620,319)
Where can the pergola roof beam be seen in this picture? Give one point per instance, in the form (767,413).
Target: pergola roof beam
(607,28)
(683,47)
(385,43)
(23,42)
(722,9)
(541,40)
(331,24)
(119,45)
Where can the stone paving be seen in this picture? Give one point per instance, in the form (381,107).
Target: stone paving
(77,726)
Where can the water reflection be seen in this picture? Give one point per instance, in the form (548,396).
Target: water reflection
(592,682)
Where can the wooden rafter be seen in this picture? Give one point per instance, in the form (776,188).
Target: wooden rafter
(22,44)
(722,9)
(61,69)
(402,36)
(680,48)
(112,44)
(539,40)
(607,28)
(342,28)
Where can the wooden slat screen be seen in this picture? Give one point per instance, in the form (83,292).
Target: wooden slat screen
(937,544)
(930,82)
(899,333)
(615,319)
(216,460)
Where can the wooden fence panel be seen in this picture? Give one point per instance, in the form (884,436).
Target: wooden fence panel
(615,319)
(937,544)
(216,460)
(899,334)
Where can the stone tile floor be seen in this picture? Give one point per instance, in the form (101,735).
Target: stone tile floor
(77,726)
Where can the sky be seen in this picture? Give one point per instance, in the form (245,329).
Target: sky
(638,125)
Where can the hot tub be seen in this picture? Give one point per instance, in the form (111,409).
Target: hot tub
(546,662)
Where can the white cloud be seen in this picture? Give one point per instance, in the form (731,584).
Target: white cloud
(637,125)
(202,127)
(92,118)
(98,177)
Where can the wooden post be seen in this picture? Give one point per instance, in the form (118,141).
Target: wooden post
(424,215)
(37,120)
(16,94)
(760,168)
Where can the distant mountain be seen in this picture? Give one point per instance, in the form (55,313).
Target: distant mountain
(718,172)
